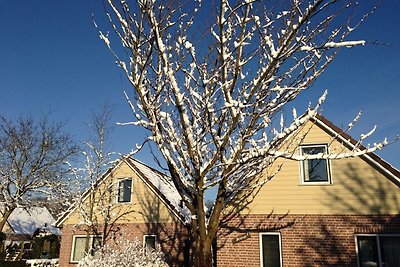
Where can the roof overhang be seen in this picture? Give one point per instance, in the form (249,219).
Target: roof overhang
(349,142)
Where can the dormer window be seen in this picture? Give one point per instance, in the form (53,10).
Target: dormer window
(124,190)
(314,171)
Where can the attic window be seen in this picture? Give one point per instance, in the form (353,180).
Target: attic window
(124,191)
(314,171)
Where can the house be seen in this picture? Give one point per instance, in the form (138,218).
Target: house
(315,212)
(24,226)
(144,205)
(342,212)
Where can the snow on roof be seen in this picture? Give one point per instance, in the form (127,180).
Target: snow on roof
(165,187)
(28,220)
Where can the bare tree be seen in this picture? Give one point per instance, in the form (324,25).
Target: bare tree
(95,196)
(32,161)
(210,88)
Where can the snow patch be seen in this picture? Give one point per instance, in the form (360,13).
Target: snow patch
(347,44)
(28,220)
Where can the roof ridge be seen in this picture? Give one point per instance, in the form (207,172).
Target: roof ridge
(151,168)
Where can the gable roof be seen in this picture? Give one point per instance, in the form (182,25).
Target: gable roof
(349,142)
(163,187)
(28,220)
(160,184)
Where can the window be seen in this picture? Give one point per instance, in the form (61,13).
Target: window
(378,250)
(79,244)
(149,242)
(124,190)
(270,250)
(314,170)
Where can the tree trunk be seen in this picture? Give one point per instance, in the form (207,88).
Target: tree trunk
(203,253)
(202,238)
(4,219)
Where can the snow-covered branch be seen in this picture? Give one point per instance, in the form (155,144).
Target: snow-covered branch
(211,101)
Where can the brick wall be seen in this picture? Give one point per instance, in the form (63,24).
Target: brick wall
(307,240)
(170,236)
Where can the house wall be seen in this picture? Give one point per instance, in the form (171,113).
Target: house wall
(171,237)
(317,223)
(144,207)
(146,214)
(357,188)
(306,240)
(7,229)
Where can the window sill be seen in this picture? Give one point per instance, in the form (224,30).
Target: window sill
(123,203)
(315,183)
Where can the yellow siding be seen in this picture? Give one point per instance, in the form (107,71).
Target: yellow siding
(145,206)
(357,188)
(7,229)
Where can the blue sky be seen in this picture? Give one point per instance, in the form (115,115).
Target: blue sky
(52,59)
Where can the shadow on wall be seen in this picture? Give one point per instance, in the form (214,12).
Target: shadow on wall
(333,241)
(238,225)
(106,213)
(363,203)
(239,236)
(170,233)
(239,232)
(363,192)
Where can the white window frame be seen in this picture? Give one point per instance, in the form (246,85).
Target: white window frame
(328,166)
(71,260)
(261,248)
(117,190)
(378,245)
(144,240)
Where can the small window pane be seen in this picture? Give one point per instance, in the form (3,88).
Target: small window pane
(315,170)
(270,250)
(390,250)
(124,190)
(150,242)
(80,244)
(367,251)
(79,248)
(96,244)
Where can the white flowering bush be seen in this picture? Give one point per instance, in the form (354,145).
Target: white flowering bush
(124,253)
